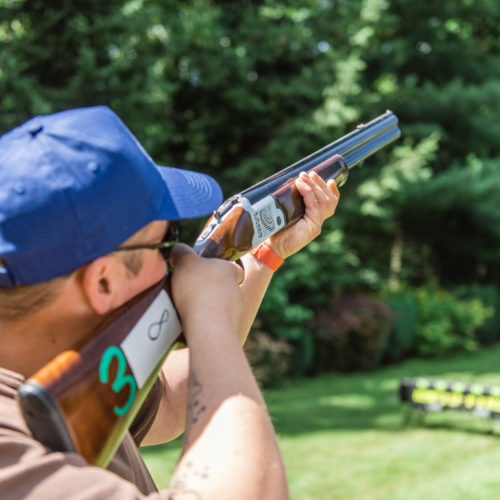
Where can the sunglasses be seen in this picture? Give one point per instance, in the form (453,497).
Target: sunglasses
(170,238)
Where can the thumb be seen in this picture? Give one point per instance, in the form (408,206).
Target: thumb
(180,252)
(240,271)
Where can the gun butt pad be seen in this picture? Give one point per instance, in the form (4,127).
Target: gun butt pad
(44,418)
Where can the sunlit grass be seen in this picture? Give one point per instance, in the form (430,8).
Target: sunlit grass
(343,436)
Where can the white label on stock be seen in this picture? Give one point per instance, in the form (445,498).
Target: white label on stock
(151,337)
(268,218)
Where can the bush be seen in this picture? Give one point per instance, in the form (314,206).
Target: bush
(351,333)
(269,358)
(402,336)
(302,286)
(447,323)
(302,356)
(489,332)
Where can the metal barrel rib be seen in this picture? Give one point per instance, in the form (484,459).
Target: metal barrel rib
(354,147)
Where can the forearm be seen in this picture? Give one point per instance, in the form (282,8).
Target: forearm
(257,279)
(226,413)
(320,199)
(171,418)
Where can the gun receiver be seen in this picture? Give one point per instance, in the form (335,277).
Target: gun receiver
(250,217)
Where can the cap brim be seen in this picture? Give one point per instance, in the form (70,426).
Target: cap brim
(191,194)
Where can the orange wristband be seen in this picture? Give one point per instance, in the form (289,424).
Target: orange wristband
(263,253)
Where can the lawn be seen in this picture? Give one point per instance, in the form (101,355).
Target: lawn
(344,437)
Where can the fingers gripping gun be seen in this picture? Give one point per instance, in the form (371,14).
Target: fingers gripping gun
(85,399)
(250,217)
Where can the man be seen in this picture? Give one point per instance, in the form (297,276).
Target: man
(79,196)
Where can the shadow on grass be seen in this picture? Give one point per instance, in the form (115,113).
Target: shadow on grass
(365,401)
(468,424)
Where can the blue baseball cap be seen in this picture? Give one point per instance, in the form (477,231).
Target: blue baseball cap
(75,185)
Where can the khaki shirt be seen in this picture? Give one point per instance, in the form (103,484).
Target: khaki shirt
(28,470)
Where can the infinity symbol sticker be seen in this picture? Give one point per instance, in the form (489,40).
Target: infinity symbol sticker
(154,329)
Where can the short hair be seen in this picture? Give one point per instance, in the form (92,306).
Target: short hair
(133,261)
(24,300)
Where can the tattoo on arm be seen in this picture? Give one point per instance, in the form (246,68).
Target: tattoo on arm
(188,472)
(195,406)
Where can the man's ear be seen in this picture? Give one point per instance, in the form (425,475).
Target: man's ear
(100,284)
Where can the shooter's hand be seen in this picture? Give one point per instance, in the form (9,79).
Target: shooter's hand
(320,199)
(205,288)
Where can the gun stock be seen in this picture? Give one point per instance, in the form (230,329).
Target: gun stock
(85,400)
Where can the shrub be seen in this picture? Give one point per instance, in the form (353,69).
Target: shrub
(402,335)
(302,356)
(269,358)
(303,285)
(351,333)
(489,331)
(447,323)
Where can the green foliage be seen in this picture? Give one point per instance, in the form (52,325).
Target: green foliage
(401,339)
(269,358)
(241,90)
(433,321)
(437,64)
(489,332)
(409,167)
(456,217)
(303,355)
(304,284)
(351,333)
(447,323)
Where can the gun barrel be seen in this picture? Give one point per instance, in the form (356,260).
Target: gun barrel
(354,147)
(365,150)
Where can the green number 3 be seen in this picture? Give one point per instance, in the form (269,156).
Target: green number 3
(121,380)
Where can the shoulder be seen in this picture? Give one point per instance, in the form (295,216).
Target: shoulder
(29,470)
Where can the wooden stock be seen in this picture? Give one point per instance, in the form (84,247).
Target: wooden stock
(231,239)
(92,410)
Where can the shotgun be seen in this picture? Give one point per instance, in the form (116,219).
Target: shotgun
(85,399)
(250,217)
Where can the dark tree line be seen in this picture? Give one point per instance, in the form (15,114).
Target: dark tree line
(242,89)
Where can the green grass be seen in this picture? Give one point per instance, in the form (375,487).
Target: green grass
(342,437)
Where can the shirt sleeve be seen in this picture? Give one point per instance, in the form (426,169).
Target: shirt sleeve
(30,472)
